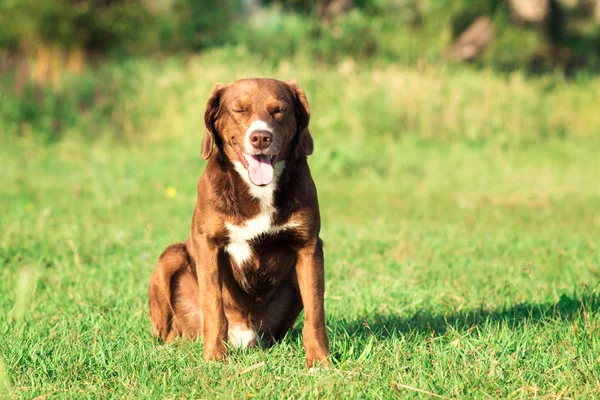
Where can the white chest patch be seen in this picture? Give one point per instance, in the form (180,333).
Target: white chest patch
(241,235)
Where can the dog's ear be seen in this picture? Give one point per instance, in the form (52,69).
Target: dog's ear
(305,144)
(213,106)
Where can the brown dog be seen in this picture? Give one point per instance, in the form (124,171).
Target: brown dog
(254,258)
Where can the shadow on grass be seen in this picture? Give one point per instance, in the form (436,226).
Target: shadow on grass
(383,326)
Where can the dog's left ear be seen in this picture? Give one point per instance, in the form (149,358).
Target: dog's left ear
(213,105)
(305,144)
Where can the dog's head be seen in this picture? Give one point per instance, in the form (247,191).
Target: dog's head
(258,122)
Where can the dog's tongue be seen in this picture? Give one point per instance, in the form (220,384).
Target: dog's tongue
(260,169)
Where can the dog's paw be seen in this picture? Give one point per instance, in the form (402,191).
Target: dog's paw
(318,369)
(215,353)
(315,366)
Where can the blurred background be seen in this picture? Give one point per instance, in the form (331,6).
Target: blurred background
(53,53)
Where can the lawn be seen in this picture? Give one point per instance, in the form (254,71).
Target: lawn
(460,221)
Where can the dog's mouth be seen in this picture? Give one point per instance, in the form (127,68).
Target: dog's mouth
(259,166)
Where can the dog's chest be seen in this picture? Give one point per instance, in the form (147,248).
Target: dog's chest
(260,251)
(246,237)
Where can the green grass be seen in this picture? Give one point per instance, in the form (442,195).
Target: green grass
(460,220)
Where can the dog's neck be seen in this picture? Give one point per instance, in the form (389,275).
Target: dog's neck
(238,196)
(264,195)
(241,199)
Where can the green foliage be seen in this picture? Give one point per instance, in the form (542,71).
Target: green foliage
(276,35)
(94,103)
(379,31)
(513,49)
(355,34)
(115,26)
(128,100)
(206,23)
(91,24)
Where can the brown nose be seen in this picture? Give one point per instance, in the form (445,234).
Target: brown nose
(261,139)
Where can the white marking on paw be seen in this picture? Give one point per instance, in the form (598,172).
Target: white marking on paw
(242,337)
(317,370)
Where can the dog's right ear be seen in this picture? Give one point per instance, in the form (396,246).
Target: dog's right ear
(210,118)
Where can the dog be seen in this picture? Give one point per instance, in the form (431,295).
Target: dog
(254,258)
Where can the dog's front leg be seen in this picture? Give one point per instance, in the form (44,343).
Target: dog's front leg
(311,280)
(210,285)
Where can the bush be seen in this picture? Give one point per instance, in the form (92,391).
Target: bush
(91,24)
(277,35)
(382,31)
(114,25)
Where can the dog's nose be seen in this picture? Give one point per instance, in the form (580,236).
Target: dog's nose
(261,139)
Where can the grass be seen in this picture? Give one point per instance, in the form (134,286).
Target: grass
(459,218)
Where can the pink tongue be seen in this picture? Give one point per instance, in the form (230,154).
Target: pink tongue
(260,169)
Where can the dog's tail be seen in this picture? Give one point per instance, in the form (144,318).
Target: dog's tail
(173,260)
